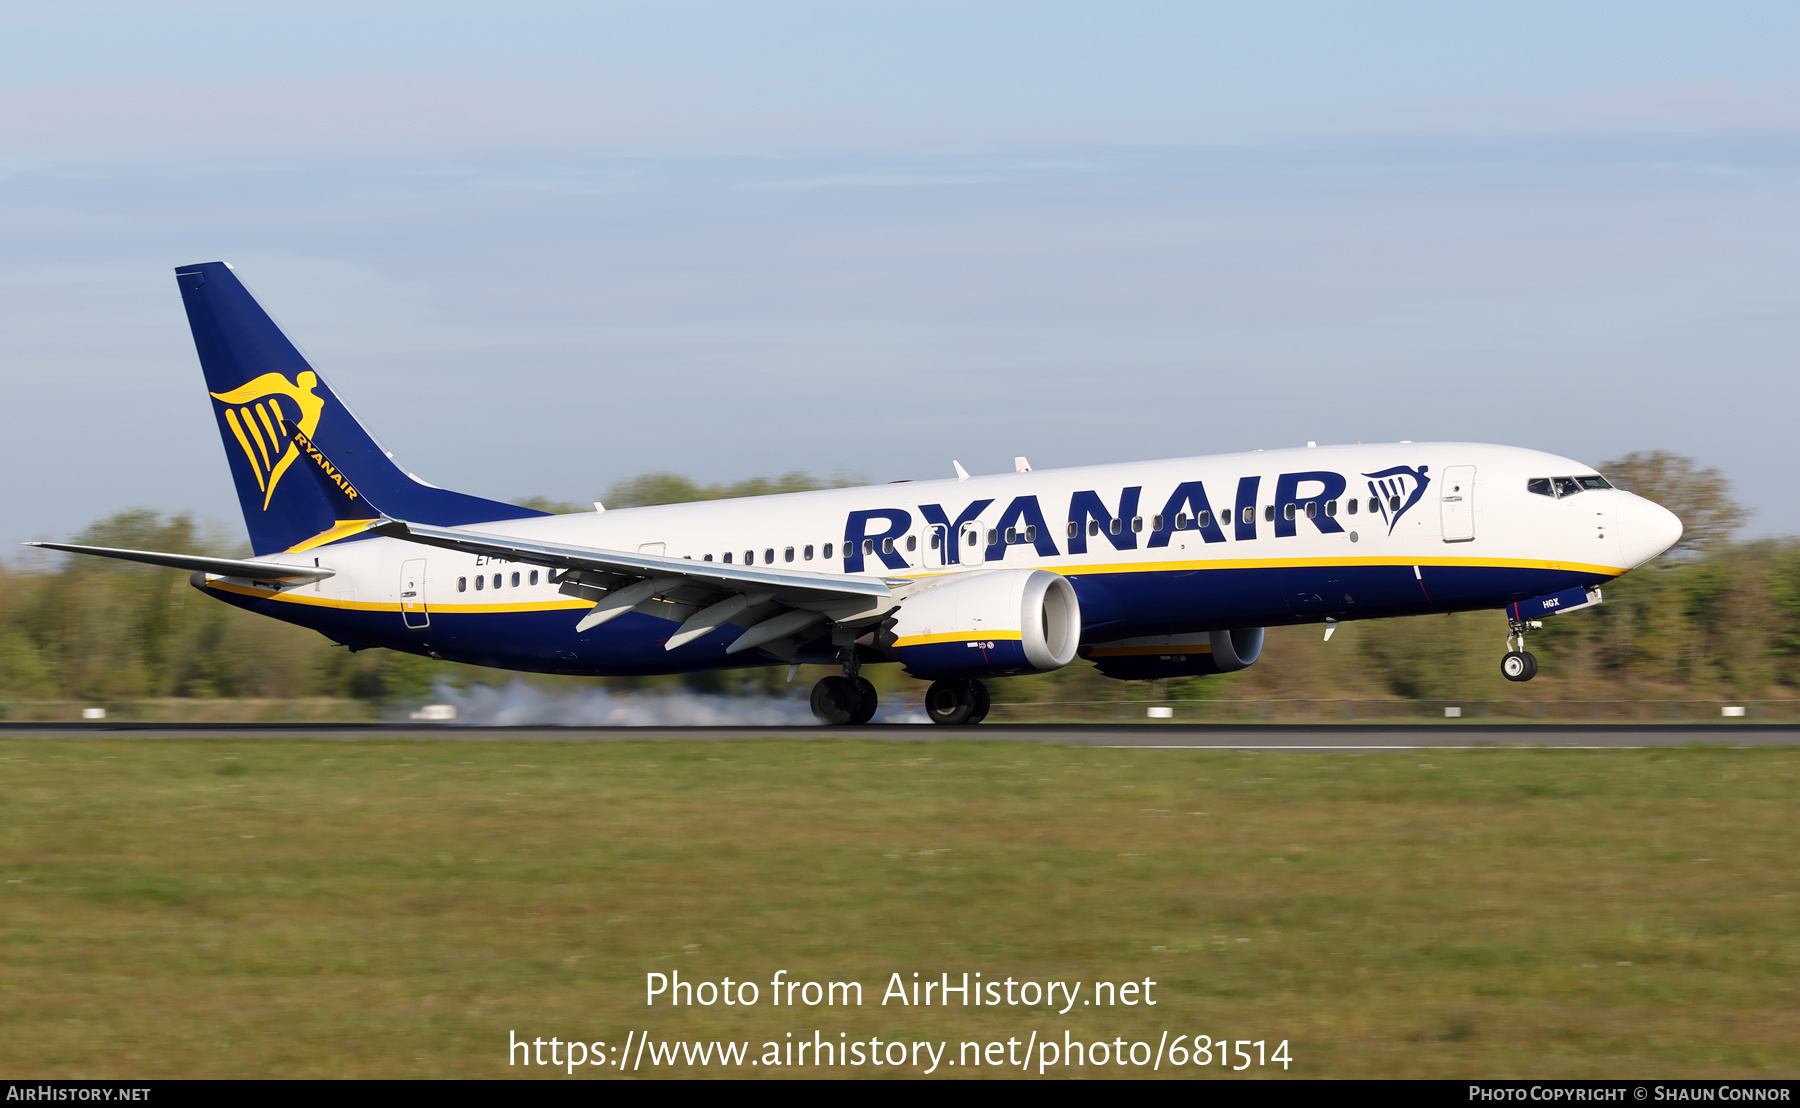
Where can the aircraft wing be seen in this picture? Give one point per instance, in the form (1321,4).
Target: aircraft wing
(751,594)
(224,567)
(788,585)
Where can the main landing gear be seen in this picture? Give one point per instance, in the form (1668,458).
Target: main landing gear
(956,700)
(1518,664)
(847,699)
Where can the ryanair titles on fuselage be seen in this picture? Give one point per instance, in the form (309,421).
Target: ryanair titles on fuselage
(1315,496)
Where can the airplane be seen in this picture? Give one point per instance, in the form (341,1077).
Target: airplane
(1145,569)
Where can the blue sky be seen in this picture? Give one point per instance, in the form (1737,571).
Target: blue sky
(542,247)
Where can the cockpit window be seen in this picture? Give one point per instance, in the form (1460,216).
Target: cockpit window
(1560,487)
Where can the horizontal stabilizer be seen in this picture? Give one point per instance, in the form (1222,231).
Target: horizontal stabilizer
(224,567)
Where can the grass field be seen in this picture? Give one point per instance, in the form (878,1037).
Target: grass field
(302,908)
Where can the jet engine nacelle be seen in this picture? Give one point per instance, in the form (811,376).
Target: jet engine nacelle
(988,623)
(1160,656)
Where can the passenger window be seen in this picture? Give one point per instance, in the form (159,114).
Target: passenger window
(1031,533)
(480,582)
(1204,519)
(1072,528)
(534,575)
(1093,527)
(807,553)
(887,546)
(1137,523)
(1393,503)
(1374,504)
(912,542)
(1352,504)
(515,580)
(706,557)
(1249,516)
(496,580)
(969,539)
(1312,509)
(1287,511)
(937,540)
(726,557)
(827,550)
(1156,523)
(462,584)
(1116,526)
(1331,507)
(993,537)
(1012,536)
(788,554)
(769,556)
(1180,522)
(749,557)
(1269,513)
(868,546)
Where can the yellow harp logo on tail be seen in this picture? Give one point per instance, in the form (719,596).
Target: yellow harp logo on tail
(260,414)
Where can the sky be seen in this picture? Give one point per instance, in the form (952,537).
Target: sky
(543,247)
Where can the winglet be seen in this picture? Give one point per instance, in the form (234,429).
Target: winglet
(961,473)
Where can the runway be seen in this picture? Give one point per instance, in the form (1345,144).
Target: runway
(1294,737)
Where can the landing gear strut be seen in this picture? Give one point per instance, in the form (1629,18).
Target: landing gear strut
(1518,664)
(847,699)
(956,700)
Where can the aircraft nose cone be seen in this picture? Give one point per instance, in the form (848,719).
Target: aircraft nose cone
(1646,529)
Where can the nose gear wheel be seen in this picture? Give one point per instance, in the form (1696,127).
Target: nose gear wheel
(1519,664)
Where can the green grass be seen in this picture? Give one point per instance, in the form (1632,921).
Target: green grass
(304,908)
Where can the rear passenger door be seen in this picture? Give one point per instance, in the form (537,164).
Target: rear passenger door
(412,595)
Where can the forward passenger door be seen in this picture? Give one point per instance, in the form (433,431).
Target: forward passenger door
(1456,503)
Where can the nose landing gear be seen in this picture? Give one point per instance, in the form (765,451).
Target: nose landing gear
(956,700)
(1518,664)
(847,699)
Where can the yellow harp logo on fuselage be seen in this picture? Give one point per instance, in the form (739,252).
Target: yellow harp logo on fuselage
(260,414)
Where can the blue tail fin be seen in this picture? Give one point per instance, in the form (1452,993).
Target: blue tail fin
(271,405)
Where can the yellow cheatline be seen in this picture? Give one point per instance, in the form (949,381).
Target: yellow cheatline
(958,636)
(342,529)
(1122,651)
(1289,563)
(293,597)
(537,606)
(1323,563)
